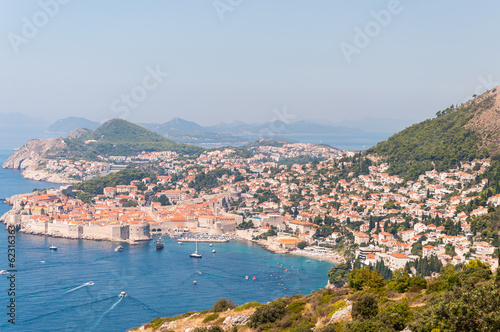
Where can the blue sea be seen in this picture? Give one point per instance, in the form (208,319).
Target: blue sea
(52,294)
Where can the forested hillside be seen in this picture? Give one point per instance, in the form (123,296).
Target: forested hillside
(441,143)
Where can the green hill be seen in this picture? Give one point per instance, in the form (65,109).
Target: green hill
(120,138)
(121,131)
(455,135)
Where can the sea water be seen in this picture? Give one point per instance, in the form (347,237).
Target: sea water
(52,294)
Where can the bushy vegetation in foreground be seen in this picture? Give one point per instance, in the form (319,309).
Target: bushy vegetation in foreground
(465,299)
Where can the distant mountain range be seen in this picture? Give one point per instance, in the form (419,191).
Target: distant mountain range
(67,125)
(235,133)
(348,135)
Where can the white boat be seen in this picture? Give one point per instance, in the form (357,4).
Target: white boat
(90,283)
(53,247)
(122,294)
(179,242)
(213,251)
(210,244)
(246,277)
(2,272)
(195,254)
(119,248)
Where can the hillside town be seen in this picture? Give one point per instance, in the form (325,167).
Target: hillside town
(322,209)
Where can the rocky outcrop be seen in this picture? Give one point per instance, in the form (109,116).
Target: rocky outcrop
(232,321)
(32,173)
(32,152)
(342,314)
(79,133)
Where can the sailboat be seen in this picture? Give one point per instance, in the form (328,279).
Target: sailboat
(195,254)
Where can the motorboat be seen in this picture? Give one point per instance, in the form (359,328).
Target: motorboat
(159,245)
(119,248)
(53,247)
(254,278)
(122,294)
(90,283)
(2,272)
(246,277)
(194,282)
(213,251)
(179,242)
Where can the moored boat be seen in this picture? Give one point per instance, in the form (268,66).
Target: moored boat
(195,254)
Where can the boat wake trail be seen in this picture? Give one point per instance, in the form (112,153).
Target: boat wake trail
(43,292)
(74,289)
(146,306)
(69,308)
(105,313)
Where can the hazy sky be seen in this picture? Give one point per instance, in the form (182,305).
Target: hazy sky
(213,61)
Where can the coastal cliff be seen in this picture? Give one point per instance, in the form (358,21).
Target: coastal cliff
(28,157)
(32,152)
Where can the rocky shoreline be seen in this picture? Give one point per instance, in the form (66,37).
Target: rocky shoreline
(41,175)
(28,157)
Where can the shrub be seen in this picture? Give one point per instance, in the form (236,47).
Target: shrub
(267,313)
(157,322)
(223,304)
(211,317)
(209,329)
(365,307)
(327,328)
(296,307)
(247,306)
(366,326)
(396,315)
(326,298)
(304,327)
(365,277)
